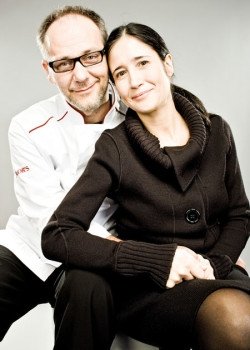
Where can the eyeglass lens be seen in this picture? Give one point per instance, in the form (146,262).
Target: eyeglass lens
(86,60)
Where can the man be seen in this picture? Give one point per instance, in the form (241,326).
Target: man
(50,145)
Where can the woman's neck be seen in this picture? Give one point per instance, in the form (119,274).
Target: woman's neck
(167,125)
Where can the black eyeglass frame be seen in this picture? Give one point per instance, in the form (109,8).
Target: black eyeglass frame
(77,59)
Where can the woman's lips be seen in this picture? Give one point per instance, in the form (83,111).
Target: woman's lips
(140,94)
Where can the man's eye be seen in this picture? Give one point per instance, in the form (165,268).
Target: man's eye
(92,56)
(63,64)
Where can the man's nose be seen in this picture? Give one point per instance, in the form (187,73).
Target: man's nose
(80,72)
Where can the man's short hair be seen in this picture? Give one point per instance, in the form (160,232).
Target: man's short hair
(64,11)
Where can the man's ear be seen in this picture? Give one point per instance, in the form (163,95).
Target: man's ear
(168,64)
(48,72)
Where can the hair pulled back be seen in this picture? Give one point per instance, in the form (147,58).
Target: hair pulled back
(150,37)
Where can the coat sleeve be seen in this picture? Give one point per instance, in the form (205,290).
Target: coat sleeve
(38,187)
(66,236)
(235,223)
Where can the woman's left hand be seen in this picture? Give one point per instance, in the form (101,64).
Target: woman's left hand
(207,268)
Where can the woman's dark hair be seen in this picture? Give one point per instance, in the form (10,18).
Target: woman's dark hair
(149,36)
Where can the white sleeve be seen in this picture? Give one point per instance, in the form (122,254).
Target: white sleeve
(37,184)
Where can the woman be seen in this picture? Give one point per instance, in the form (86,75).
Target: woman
(182,209)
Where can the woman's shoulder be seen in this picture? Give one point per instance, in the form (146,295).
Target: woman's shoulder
(116,132)
(113,135)
(220,126)
(219,121)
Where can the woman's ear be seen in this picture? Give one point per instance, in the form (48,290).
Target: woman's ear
(50,76)
(168,64)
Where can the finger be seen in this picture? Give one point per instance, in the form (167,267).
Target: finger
(205,265)
(204,262)
(170,283)
(185,274)
(197,271)
(175,277)
(209,274)
(188,277)
(200,257)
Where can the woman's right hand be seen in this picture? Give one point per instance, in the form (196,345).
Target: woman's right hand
(188,265)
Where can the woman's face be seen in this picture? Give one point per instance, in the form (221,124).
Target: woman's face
(140,76)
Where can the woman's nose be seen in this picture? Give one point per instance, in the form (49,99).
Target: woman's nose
(135,79)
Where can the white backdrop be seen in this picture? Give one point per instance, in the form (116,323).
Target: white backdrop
(210,43)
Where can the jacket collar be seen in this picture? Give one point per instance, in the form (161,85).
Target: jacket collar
(183,160)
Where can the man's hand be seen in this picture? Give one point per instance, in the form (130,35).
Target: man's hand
(241,262)
(113,238)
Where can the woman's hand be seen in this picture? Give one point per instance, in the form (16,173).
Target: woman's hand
(188,265)
(207,268)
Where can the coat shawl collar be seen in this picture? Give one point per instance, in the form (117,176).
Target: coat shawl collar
(184,160)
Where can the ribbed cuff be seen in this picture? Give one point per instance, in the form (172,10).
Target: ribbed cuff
(138,258)
(221,264)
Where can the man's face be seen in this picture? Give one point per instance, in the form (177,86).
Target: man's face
(85,88)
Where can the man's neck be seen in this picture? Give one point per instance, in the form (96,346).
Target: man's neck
(98,115)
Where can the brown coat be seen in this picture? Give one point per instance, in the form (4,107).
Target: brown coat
(191,196)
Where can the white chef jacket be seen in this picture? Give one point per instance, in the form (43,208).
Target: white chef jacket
(50,146)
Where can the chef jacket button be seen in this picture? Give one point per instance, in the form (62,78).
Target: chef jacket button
(192,216)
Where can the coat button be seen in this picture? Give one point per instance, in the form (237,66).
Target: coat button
(192,216)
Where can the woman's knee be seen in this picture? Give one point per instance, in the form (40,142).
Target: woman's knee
(223,320)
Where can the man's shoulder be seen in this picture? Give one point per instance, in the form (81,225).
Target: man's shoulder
(118,133)
(40,112)
(118,130)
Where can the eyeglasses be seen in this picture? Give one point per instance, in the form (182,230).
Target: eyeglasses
(86,60)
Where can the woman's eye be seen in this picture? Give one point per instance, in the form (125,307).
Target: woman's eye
(143,63)
(120,74)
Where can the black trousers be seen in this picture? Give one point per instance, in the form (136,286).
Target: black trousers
(82,301)
(87,308)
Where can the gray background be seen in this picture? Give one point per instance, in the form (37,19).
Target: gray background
(210,43)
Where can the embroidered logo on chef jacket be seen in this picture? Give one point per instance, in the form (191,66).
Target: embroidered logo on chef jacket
(22,170)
